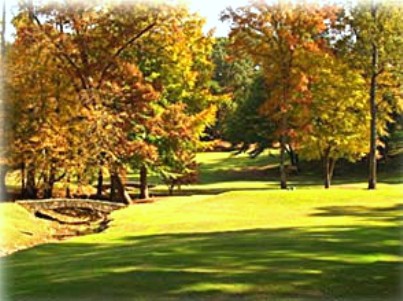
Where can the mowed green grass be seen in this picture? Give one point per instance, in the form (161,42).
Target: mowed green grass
(224,171)
(20,229)
(251,242)
(307,244)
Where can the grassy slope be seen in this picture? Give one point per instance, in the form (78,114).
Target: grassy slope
(308,244)
(20,229)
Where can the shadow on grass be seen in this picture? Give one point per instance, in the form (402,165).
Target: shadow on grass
(253,170)
(309,263)
(385,214)
(189,191)
(227,173)
(254,173)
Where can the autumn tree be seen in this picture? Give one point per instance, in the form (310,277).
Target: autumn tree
(338,124)
(3,30)
(278,37)
(175,59)
(372,43)
(178,142)
(3,159)
(38,117)
(86,42)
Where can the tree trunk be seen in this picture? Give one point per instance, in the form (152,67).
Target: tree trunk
(283,131)
(100,182)
(68,192)
(283,174)
(171,189)
(144,194)
(326,171)
(31,191)
(112,194)
(23,177)
(372,100)
(293,157)
(373,136)
(122,193)
(3,186)
(118,192)
(49,184)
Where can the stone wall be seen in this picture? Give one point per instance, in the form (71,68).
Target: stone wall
(49,204)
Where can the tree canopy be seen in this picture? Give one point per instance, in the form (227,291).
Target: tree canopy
(105,87)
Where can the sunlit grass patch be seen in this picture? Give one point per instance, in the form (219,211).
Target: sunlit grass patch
(309,244)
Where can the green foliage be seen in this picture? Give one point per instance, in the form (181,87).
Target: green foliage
(245,126)
(177,143)
(279,38)
(175,59)
(233,76)
(384,31)
(338,126)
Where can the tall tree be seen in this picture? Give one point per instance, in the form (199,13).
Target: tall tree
(87,43)
(3,160)
(41,117)
(277,38)
(373,44)
(175,59)
(178,142)
(337,126)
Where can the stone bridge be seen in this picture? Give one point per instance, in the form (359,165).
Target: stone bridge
(50,204)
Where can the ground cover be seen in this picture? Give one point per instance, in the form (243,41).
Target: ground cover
(20,229)
(310,244)
(234,236)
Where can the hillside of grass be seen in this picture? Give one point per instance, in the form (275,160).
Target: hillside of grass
(20,229)
(309,244)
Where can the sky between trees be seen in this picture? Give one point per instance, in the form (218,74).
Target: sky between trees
(208,9)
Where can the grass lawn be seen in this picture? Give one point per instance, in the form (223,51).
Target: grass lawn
(222,172)
(235,237)
(20,229)
(308,244)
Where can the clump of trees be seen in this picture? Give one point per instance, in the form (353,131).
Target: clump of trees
(95,89)
(90,90)
(330,76)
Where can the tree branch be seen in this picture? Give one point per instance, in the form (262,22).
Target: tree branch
(120,50)
(60,49)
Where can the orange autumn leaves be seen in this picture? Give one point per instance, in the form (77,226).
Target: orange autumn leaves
(81,58)
(290,43)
